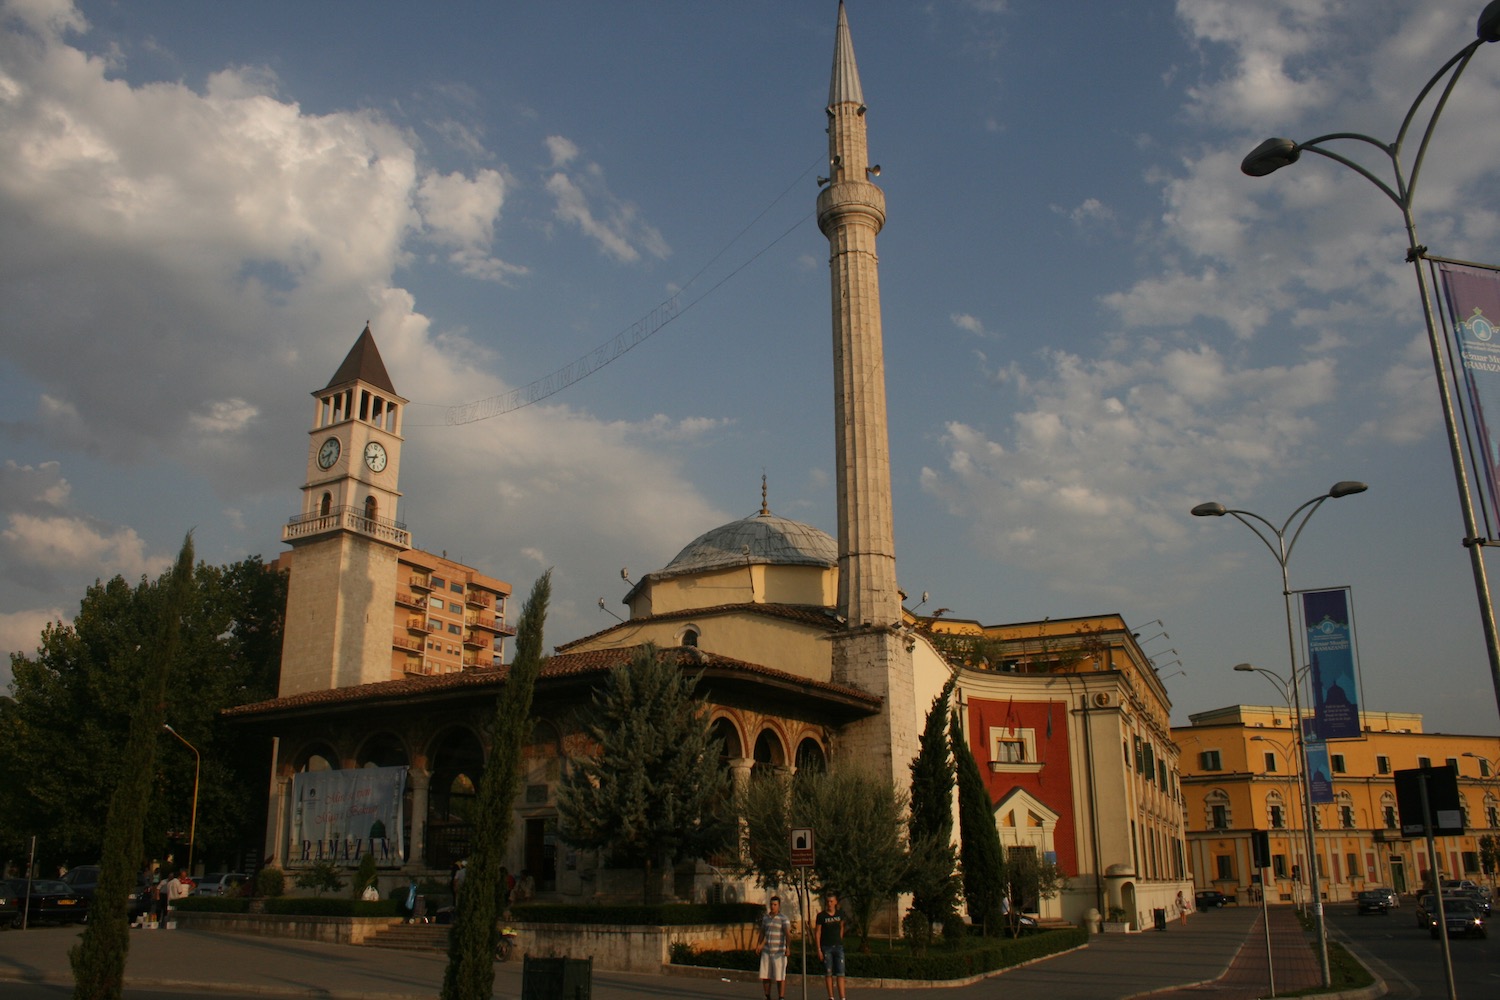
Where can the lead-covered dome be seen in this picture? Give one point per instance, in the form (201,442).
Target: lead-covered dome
(763,538)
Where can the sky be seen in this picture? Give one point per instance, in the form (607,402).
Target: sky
(1093,321)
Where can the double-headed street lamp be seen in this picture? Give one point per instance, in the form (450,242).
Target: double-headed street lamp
(1273,154)
(197,770)
(1282,550)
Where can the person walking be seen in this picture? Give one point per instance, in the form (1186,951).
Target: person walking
(1182,907)
(775,935)
(828,937)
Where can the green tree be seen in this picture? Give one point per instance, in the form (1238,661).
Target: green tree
(98,960)
(470,973)
(62,732)
(652,792)
(979,851)
(859,828)
(321,877)
(1030,880)
(1489,854)
(931,878)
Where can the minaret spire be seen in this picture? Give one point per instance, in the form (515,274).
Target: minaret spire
(870,652)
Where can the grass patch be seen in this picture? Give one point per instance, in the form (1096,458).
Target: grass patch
(1345,972)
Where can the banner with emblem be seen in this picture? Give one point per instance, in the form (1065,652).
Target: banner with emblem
(342,815)
(1328,635)
(1471,295)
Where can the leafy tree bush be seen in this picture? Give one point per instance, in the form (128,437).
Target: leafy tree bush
(99,959)
(983,863)
(652,792)
(470,973)
(323,876)
(270,881)
(859,822)
(931,878)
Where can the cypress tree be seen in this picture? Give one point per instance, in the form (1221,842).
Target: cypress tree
(983,862)
(98,960)
(934,889)
(470,974)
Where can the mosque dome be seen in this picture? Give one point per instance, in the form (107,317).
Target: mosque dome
(761,538)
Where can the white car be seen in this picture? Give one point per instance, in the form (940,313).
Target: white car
(220,884)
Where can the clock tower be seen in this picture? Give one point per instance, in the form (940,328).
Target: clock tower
(347,540)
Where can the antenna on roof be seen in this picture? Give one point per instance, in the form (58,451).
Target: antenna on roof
(609,612)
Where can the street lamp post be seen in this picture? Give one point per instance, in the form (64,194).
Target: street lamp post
(1282,550)
(1273,154)
(197,770)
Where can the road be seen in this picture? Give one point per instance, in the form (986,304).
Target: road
(1414,960)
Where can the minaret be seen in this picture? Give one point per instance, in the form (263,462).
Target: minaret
(870,653)
(342,589)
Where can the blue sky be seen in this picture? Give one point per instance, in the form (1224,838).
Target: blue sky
(1093,321)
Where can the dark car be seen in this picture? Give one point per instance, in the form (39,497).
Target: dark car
(10,905)
(84,880)
(1374,901)
(1427,907)
(1210,899)
(48,899)
(1463,916)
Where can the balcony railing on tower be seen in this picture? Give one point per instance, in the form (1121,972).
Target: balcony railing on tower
(350,519)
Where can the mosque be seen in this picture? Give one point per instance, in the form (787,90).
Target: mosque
(806,654)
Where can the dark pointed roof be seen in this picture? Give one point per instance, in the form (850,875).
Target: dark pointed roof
(844,86)
(363,364)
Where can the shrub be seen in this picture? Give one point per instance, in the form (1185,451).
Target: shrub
(212,904)
(323,875)
(270,882)
(917,930)
(365,876)
(329,906)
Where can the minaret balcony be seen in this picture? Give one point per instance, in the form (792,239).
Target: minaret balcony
(346,519)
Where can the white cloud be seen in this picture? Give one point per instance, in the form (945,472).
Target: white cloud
(582,199)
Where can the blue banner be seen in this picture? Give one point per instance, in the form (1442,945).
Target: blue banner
(1319,776)
(1328,630)
(1472,297)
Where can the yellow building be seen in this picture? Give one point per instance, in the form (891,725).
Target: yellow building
(1239,775)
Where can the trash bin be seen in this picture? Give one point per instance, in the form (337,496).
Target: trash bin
(556,978)
(1159,915)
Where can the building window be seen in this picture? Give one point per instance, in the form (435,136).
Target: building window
(1224,866)
(1336,761)
(1471,862)
(1209,760)
(1453,764)
(438,583)
(1220,817)
(1139,756)
(1351,866)
(1278,865)
(1161,773)
(690,637)
(1013,749)
(1271,762)
(1494,816)
(1484,768)
(1277,820)
(455,628)
(1390,817)
(435,602)
(456,587)
(1150,762)
(1346,817)
(1382,765)
(1424,761)
(455,607)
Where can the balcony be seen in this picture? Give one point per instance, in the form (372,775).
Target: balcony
(487,622)
(473,641)
(346,519)
(420,582)
(409,600)
(407,642)
(478,599)
(420,623)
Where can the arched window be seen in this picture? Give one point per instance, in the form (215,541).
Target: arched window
(1216,810)
(810,756)
(690,636)
(769,753)
(1275,811)
(370,508)
(317,757)
(326,507)
(382,750)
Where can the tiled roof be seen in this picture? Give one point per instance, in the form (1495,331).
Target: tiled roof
(559,668)
(804,614)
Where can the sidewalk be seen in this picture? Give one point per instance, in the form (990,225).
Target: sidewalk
(1220,951)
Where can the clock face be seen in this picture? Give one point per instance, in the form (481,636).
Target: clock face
(329,453)
(375,456)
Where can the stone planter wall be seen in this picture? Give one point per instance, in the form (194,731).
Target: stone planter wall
(628,949)
(330,930)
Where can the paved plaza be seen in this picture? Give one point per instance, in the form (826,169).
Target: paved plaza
(1219,953)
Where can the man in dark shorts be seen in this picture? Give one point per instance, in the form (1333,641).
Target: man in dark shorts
(828,935)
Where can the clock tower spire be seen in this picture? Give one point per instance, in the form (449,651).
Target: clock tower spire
(870,653)
(346,540)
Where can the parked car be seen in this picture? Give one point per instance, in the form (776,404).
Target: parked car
(48,899)
(220,884)
(1392,897)
(84,880)
(1374,901)
(1463,916)
(10,905)
(1210,899)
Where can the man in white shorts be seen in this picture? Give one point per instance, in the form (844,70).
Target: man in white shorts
(775,936)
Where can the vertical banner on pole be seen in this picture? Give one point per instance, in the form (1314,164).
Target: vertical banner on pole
(1472,297)
(1328,635)
(1319,774)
